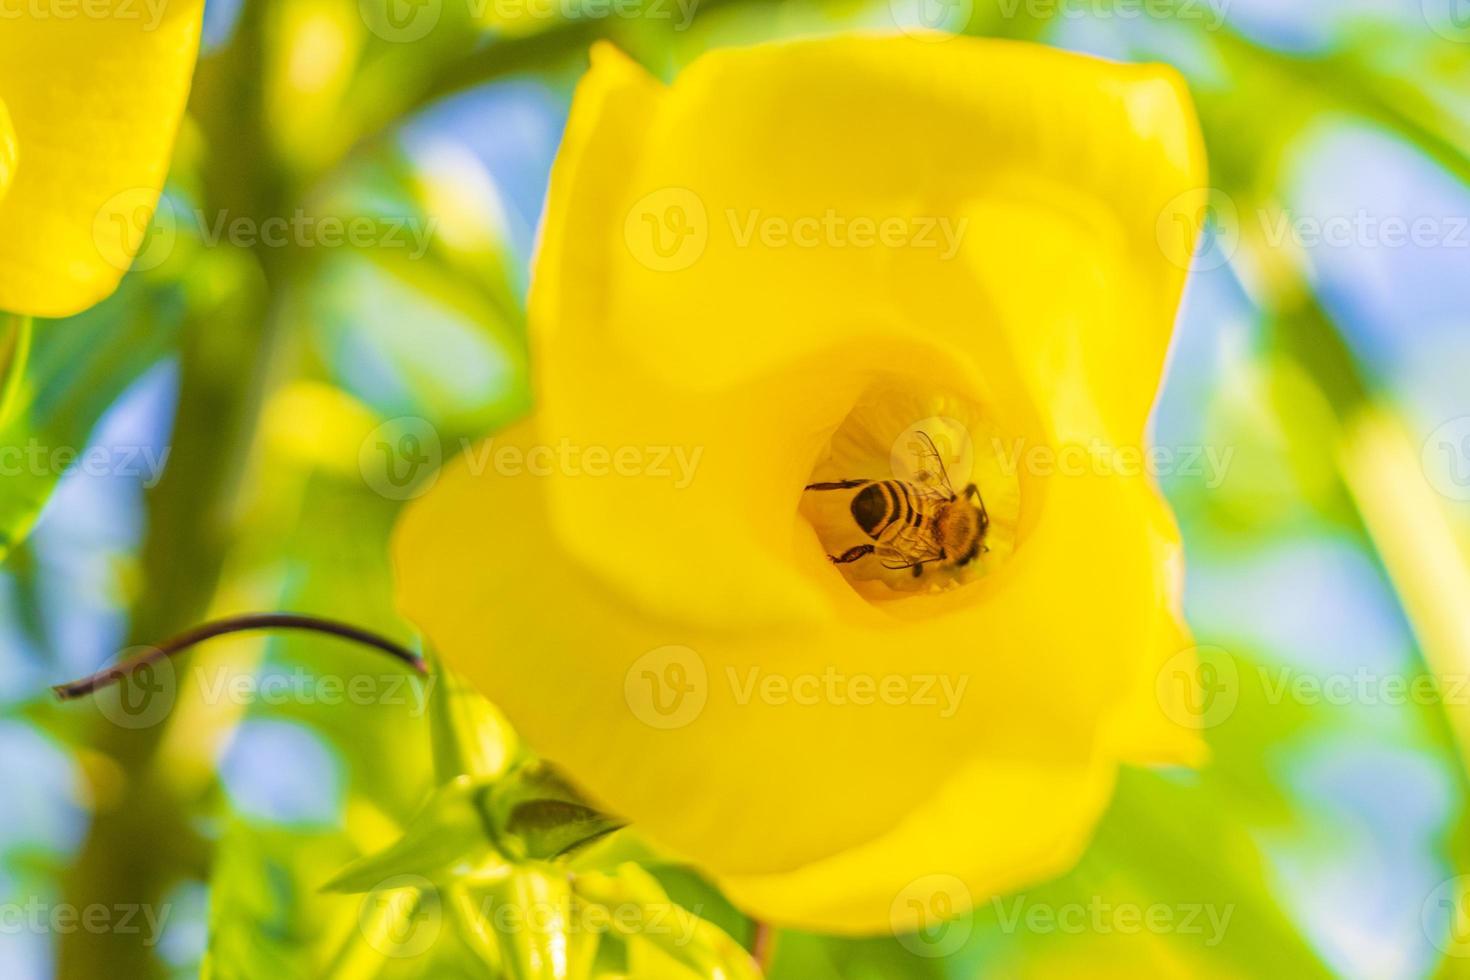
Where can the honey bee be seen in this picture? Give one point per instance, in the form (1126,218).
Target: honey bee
(916,523)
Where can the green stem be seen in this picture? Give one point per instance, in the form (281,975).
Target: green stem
(225,369)
(15,353)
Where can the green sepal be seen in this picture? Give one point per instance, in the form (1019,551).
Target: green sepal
(539,816)
(446,836)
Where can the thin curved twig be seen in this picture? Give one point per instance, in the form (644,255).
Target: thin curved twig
(238,624)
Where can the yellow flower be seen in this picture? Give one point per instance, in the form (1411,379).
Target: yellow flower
(802,263)
(90,98)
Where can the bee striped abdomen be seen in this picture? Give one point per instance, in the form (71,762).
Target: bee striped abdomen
(879,506)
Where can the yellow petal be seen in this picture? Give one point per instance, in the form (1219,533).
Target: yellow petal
(1073,173)
(1162,722)
(7,150)
(992,828)
(95,99)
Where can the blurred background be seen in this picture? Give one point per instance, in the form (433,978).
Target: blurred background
(207,442)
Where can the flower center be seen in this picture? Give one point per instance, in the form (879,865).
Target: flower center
(913,494)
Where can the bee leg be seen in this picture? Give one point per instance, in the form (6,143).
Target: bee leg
(974,491)
(918,569)
(851,554)
(839,485)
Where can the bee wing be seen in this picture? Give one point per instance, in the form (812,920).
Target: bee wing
(910,547)
(930,490)
(931,472)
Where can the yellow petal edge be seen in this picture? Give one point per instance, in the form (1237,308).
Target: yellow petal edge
(95,103)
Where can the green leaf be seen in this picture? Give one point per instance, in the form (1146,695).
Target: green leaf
(664,938)
(263,921)
(448,831)
(76,369)
(528,922)
(468,735)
